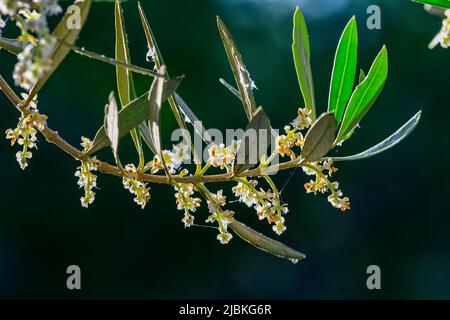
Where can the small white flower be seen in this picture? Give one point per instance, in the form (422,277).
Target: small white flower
(224,237)
(279,226)
(136,187)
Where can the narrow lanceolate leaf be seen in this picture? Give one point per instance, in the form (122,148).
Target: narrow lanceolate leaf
(241,75)
(124,76)
(265,243)
(365,94)
(132,115)
(191,118)
(112,125)
(362,76)
(255,142)
(12,45)
(388,143)
(320,138)
(155,55)
(438,3)
(65,32)
(153,50)
(155,98)
(302,61)
(344,70)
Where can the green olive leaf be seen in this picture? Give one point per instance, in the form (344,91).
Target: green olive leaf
(265,243)
(438,3)
(63,34)
(255,142)
(365,94)
(112,125)
(320,137)
(388,143)
(302,61)
(344,70)
(132,115)
(241,75)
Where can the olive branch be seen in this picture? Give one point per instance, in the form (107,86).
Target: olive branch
(139,116)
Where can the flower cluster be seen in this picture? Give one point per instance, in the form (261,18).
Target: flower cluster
(173,159)
(31,18)
(186,202)
(136,187)
(266,203)
(86,179)
(223,218)
(221,156)
(323,171)
(443,37)
(293,138)
(33,62)
(25,132)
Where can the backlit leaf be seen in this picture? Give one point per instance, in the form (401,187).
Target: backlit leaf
(124,76)
(12,45)
(302,61)
(320,138)
(344,70)
(112,125)
(265,243)
(388,143)
(241,75)
(255,142)
(365,94)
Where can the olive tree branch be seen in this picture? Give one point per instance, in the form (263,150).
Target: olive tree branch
(53,137)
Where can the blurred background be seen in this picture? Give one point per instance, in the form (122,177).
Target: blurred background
(400,200)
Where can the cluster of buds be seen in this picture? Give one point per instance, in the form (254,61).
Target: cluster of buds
(136,187)
(86,179)
(31,18)
(25,133)
(323,171)
(222,217)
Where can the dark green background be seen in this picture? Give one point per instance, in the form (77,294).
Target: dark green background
(400,212)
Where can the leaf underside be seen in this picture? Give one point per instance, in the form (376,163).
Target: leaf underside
(320,137)
(240,72)
(265,243)
(388,143)
(255,142)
